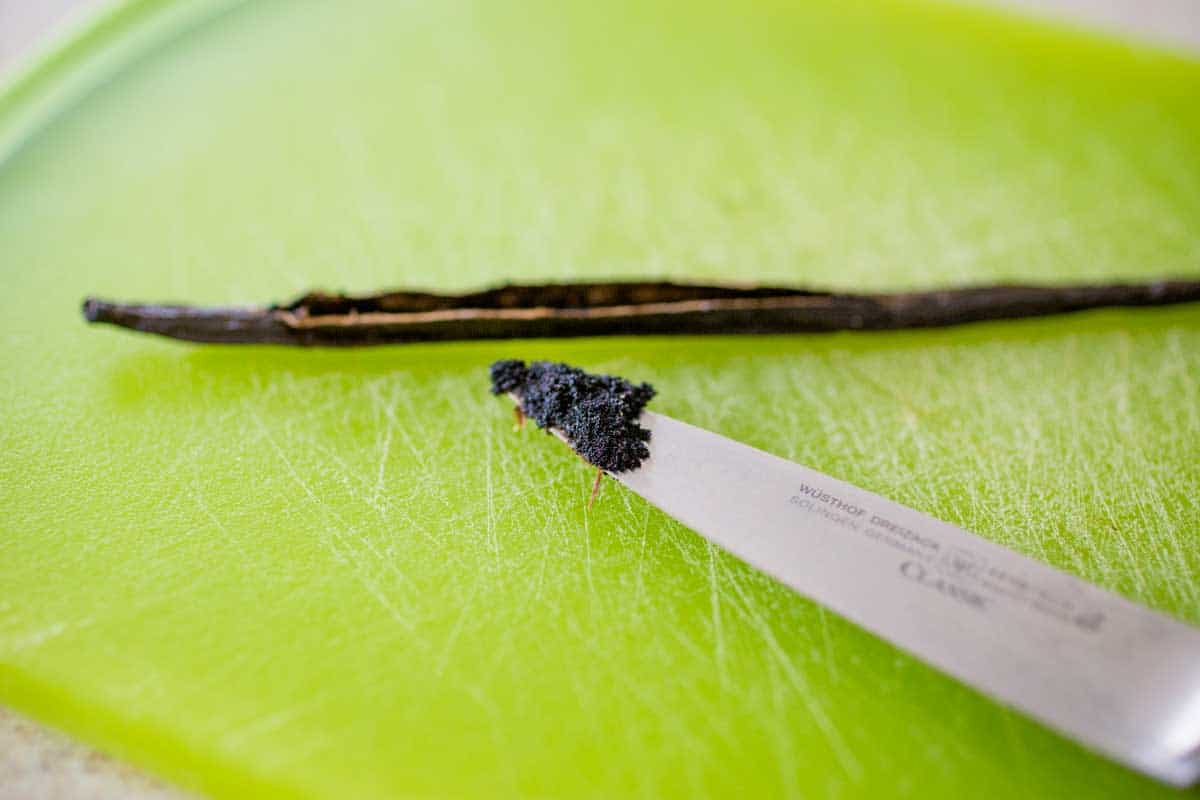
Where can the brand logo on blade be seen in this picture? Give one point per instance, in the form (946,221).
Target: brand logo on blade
(918,573)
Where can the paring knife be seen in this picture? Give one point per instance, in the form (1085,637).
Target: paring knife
(1115,676)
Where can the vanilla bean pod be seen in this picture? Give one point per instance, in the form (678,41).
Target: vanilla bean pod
(604,309)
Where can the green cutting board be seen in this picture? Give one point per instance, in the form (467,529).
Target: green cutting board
(270,573)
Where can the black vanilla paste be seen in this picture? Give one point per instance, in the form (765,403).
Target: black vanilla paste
(596,414)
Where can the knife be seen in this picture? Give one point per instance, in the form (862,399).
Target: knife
(1115,676)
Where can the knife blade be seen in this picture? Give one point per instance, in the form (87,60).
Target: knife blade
(1119,678)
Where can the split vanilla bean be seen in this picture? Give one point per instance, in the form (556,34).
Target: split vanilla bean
(608,309)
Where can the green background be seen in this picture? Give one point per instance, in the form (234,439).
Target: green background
(263,572)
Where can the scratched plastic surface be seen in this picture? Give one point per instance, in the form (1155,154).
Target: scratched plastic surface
(265,573)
